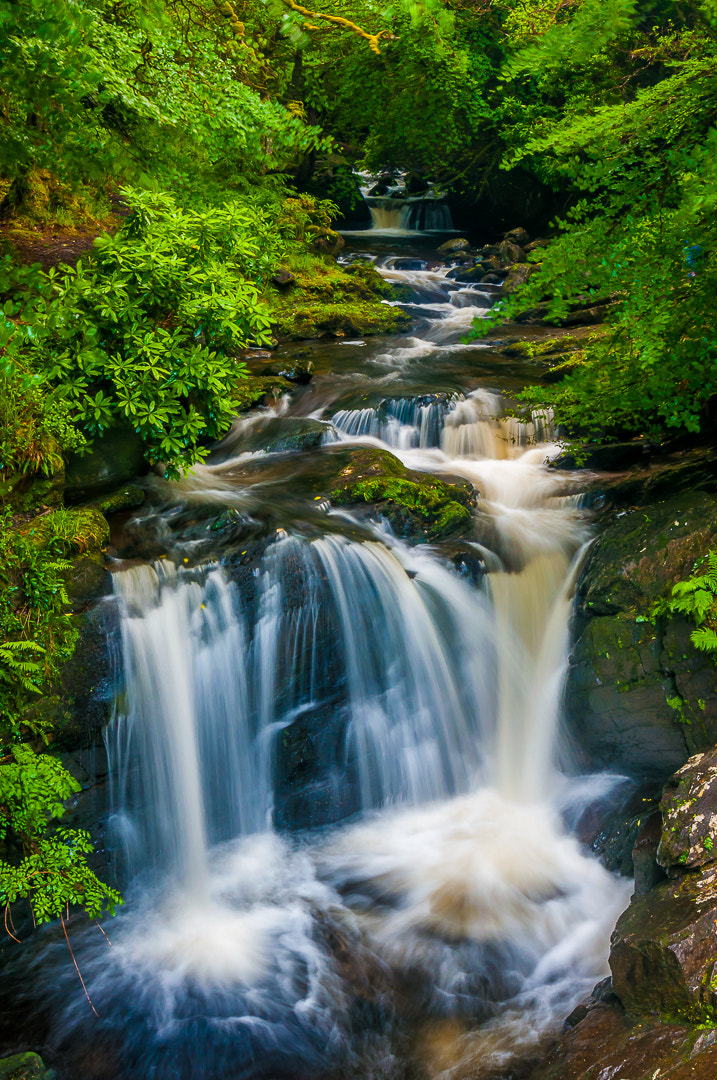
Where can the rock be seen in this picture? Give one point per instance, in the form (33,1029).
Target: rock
(25,1066)
(518,275)
(663,953)
(283,435)
(467,275)
(116,457)
(648,873)
(417,505)
(689,815)
(491,279)
(452,246)
(640,698)
(535,245)
(300,372)
(328,242)
(518,236)
(509,253)
(126,498)
(283,279)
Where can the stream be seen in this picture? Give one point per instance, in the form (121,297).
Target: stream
(342,799)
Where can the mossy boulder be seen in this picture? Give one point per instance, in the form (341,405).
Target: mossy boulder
(25,1066)
(128,497)
(664,951)
(285,434)
(418,506)
(640,697)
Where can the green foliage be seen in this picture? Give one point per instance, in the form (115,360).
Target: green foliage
(696,599)
(146,330)
(52,873)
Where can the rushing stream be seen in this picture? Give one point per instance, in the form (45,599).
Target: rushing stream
(336,756)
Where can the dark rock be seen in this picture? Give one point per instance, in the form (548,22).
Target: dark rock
(328,242)
(509,253)
(25,1066)
(285,434)
(298,372)
(648,873)
(689,815)
(518,275)
(116,457)
(518,236)
(467,275)
(283,279)
(664,954)
(640,697)
(450,247)
(491,279)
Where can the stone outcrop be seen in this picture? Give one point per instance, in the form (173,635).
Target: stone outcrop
(640,697)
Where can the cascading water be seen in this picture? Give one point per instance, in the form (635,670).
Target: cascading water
(349,681)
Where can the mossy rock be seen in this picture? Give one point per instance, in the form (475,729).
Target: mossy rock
(79,531)
(664,954)
(26,1066)
(417,505)
(128,497)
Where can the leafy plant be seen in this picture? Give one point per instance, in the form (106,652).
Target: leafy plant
(696,599)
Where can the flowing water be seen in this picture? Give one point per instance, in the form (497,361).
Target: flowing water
(335,755)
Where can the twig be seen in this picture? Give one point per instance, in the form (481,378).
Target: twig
(79,973)
(7,928)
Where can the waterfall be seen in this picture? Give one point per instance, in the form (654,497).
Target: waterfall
(333,755)
(409,215)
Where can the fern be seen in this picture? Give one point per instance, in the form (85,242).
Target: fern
(16,668)
(696,599)
(704,639)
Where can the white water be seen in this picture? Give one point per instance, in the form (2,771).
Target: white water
(427,709)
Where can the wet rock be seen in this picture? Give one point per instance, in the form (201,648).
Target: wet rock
(509,253)
(116,457)
(605,1044)
(126,498)
(663,955)
(25,1066)
(418,505)
(300,372)
(491,279)
(518,275)
(689,815)
(518,236)
(328,242)
(450,247)
(285,434)
(648,873)
(467,275)
(640,698)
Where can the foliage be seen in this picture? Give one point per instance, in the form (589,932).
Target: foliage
(696,599)
(146,330)
(53,873)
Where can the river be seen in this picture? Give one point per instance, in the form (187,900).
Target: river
(341,798)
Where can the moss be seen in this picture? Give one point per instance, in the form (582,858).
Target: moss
(25,1066)
(416,504)
(127,498)
(76,531)
(330,301)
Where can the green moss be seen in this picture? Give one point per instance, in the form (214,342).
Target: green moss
(127,498)
(414,503)
(73,532)
(330,301)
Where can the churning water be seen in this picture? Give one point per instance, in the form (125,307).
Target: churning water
(441,918)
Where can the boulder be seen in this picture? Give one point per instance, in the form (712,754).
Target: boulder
(509,253)
(283,435)
(518,236)
(283,279)
(689,815)
(518,275)
(418,505)
(114,458)
(452,246)
(25,1066)
(663,953)
(640,698)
